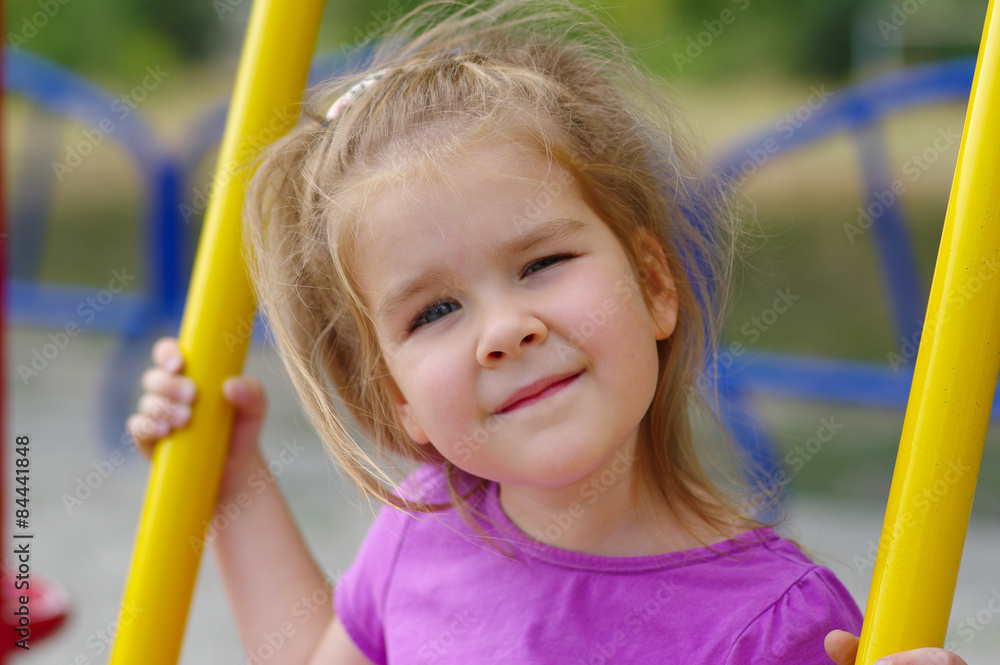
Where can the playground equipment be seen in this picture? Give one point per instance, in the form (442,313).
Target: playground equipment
(66,94)
(187,466)
(950,401)
(918,552)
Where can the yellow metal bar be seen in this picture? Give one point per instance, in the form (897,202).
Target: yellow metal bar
(215,333)
(953,386)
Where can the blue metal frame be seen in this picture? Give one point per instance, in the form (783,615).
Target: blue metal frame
(858,110)
(70,96)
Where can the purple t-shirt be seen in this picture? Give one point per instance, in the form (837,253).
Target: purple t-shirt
(426,589)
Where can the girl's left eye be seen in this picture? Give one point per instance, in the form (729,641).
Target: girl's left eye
(432,313)
(541,264)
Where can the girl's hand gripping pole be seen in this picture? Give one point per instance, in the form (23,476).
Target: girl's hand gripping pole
(215,332)
(954,382)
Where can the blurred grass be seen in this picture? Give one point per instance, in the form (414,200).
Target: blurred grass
(858,461)
(96,209)
(795,214)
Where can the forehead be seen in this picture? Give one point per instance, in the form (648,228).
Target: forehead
(510,178)
(484,195)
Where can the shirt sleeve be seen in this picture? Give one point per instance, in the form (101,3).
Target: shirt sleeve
(360,595)
(793,628)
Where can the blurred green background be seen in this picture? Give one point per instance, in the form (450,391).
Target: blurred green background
(755,59)
(112,40)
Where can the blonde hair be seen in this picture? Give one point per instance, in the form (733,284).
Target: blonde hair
(544,73)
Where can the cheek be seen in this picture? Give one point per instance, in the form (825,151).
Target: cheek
(604,306)
(438,391)
(611,322)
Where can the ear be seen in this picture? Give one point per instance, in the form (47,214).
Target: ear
(406,416)
(658,281)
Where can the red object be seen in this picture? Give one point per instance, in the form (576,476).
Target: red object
(47,601)
(47,604)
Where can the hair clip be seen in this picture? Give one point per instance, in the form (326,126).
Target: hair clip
(345,99)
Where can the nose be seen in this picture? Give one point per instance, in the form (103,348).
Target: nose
(507,332)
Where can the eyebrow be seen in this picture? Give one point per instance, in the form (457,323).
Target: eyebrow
(553,229)
(560,228)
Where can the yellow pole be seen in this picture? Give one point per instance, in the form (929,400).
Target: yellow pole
(214,335)
(953,386)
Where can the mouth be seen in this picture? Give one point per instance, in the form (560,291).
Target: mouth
(537,391)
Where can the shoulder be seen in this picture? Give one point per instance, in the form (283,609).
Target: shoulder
(362,592)
(796,603)
(395,527)
(427,484)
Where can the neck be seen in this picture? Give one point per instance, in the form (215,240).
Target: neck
(596,515)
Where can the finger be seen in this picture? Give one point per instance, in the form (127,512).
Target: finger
(247,394)
(167,354)
(177,388)
(842,647)
(925,656)
(159,408)
(146,431)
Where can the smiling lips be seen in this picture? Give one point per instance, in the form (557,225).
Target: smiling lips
(538,390)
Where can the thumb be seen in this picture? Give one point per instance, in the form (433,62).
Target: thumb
(246,394)
(842,647)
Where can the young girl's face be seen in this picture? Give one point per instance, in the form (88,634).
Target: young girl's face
(514,331)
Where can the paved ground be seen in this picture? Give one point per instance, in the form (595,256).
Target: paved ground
(87,544)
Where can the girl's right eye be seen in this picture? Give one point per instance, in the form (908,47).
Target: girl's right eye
(432,313)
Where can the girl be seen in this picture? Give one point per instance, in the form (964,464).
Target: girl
(497,249)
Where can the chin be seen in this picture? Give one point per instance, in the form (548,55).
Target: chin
(561,474)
